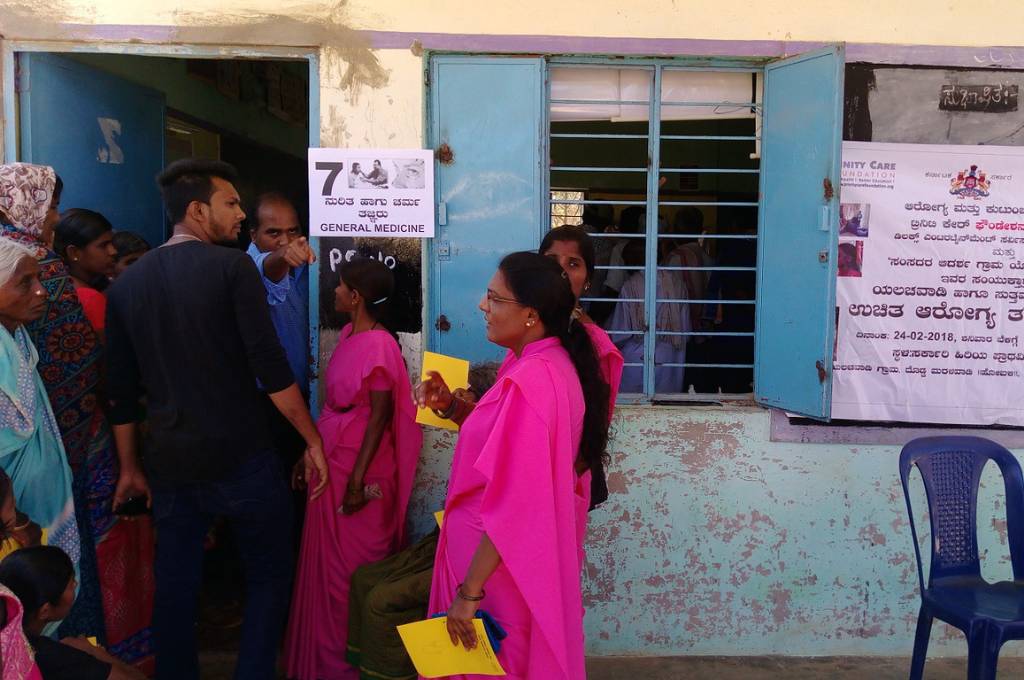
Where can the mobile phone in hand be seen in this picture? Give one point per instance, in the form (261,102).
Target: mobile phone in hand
(133,507)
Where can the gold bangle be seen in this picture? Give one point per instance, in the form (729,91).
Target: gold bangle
(460,593)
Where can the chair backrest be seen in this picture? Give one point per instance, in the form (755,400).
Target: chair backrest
(951,469)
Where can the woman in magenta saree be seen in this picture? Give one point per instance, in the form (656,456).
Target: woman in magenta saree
(511,541)
(372,444)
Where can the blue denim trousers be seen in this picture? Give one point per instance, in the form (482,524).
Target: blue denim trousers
(256,500)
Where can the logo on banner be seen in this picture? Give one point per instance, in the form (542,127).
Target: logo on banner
(970,183)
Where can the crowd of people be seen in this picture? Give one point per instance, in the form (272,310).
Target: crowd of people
(145,393)
(686,332)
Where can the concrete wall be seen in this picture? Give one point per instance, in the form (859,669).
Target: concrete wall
(715,540)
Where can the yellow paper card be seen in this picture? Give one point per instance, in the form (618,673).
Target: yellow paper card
(439,518)
(92,641)
(432,652)
(455,373)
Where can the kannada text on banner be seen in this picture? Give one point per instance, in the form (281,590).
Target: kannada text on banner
(930,295)
(371,193)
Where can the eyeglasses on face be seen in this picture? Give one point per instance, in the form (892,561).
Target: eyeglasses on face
(493,297)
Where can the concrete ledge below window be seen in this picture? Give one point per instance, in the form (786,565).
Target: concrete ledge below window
(805,431)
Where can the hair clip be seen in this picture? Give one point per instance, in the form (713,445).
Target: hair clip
(383,299)
(565,274)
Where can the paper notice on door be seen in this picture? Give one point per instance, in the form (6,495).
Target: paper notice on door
(432,652)
(456,375)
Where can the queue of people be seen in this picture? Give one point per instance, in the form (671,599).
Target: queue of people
(207,346)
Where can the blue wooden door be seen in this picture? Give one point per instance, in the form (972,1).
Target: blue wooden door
(103,135)
(489,114)
(798,232)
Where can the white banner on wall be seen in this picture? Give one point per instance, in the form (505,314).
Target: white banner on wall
(371,193)
(930,296)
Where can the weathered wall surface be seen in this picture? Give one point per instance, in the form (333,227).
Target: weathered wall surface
(717,541)
(914,21)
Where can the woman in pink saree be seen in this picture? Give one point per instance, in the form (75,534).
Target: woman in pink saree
(17,661)
(572,248)
(518,495)
(372,444)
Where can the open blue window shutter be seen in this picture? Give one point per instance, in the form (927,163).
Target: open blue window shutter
(798,232)
(489,112)
(102,134)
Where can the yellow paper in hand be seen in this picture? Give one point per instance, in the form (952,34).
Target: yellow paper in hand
(92,641)
(432,652)
(439,518)
(455,373)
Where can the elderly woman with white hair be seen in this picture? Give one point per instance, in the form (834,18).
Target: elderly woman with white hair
(31,452)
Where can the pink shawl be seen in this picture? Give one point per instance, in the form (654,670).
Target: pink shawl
(608,355)
(513,477)
(25,194)
(18,659)
(355,358)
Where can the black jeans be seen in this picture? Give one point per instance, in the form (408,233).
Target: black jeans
(257,502)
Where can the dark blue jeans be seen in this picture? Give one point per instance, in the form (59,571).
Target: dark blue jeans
(257,502)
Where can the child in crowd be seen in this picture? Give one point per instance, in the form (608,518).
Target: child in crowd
(43,579)
(130,247)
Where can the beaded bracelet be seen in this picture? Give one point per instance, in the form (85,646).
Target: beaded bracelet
(470,598)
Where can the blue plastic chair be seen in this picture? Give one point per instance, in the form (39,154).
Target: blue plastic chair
(989,614)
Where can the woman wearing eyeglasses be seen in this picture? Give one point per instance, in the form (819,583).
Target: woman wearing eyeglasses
(511,539)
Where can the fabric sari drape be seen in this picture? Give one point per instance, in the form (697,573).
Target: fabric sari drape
(513,478)
(18,658)
(334,545)
(609,358)
(31,452)
(114,602)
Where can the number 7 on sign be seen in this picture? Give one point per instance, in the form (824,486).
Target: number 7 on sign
(335,170)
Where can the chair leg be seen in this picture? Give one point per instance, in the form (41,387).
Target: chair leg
(924,631)
(983,645)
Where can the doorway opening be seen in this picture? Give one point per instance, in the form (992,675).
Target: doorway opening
(109,123)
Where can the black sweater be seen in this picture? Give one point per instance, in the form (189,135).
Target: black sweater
(188,327)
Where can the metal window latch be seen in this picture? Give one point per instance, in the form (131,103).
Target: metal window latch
(443,324)
(823,256)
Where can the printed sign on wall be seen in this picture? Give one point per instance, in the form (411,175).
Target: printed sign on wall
(931,284)
(371,193)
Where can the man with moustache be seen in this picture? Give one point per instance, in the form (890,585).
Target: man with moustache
(176,321)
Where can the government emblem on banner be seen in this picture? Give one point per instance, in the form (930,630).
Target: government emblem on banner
(970,184)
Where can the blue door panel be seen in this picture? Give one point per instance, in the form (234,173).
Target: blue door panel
(103,135)
(798,232)
(489,111)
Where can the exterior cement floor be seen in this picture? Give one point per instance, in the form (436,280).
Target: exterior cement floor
(219,666)
(783,668)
